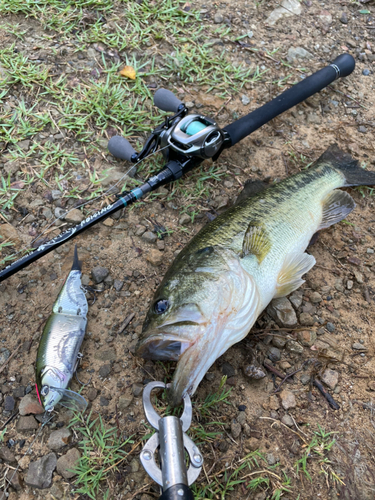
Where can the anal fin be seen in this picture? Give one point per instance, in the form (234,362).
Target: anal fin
(336,206)
(290,276)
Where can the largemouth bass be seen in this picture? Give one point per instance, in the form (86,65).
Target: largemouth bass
(60,343)
(229,272)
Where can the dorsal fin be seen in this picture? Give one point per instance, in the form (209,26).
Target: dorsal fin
(256,241)
(250,189)
(290,277)
(336,206)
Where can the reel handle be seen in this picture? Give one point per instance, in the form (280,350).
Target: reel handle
(121,148)
(166,101)
(238,130)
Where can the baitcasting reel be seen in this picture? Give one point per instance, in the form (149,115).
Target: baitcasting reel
(188,135)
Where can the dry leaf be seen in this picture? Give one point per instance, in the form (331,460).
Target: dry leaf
(128,72)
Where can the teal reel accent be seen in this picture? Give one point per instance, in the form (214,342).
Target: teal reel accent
(194,127)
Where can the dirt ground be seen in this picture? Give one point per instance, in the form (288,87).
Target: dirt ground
(343,277)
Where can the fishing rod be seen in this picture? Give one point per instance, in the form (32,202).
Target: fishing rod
(186,141)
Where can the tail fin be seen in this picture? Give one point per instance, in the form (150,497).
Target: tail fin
(354,174)
(77,264)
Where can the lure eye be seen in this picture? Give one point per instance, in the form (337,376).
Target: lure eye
(161,306)
(45,390)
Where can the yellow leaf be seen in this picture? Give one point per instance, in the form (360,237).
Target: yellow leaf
(128,72)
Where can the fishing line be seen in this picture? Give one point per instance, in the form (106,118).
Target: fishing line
(27,452)
(26,248)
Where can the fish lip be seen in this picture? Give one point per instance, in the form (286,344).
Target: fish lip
(144,344)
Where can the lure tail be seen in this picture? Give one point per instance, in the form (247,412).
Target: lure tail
(77,264)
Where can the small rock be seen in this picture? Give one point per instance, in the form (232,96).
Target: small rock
(305,378)
(27,424)
(371,385)
(362,129)
(19,392)
(228,370)
(242,408)
(40,472)
(16,481)
(330,327)
(92,393)
(252,444)
(124,402)
(218,18)
(117,285)
(241,418)
(30,405)
(74,216)
(358,347)
(325,17)
(109,355)
(315,298)
(154,257)
(296,299)
(104,371)
(134,464)
(330,378)
(235,429)
(255,372)
(298,53)
(99,273)
(149,236)
(137,389)
(56,194)
(24,145)
(184,219)
(103,401)
(8,232)
(349,284)
(60,213)
(366,72)
(57,491)
(9,403)
(7,455)
(344,18)
(245,100)
(307,338)
(288,8)
(274,354)
(287,420)
(58,439)
(370,250)
(293,346)
(285,365)
(271,459)
(278,341)
(288,399)
(306,319)
(67,462)
(282,312)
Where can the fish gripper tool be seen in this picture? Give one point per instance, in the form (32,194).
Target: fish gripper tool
(170,437)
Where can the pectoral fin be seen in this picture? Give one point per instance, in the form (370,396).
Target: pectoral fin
(290,276)
(336,206)
(256,242)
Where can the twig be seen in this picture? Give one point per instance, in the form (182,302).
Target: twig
(286,427)
(274,370)
(289,375)
(9,420)
(126,322)
(329,398)
(140,489)
(10,357)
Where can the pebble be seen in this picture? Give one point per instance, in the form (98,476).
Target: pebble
(124,402)
(307,338)
(362,129)
(149,236)
(370,250)
(349,284)
(58,439)
(7,455)
(281,310)
(60,213)
(5,353)
(74,216)
(9,403)
(235,429)
(315,298)
(228,370)
(67,462)
(358,346)
(103,401)
(271,459)
(117,285)
(27,424)
(218,18)
(92,393)
(278,341)
(137,389)
(56,194)
(325,17)
(330,378)
(242,408)
(295,347)
(98,274)
(298,53)
(184,219)
(366,72)
(274,354)
(252,444)
(245,100)
(287,420)
(330,327)
(306,319)
(344,18)
(371,385)
(30,405)
(288,399)
(105,370)
(305,378)
(154,257)
(296,299)
(19,392)
(40,472)
(255,372)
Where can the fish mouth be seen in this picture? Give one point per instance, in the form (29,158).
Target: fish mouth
(162,347)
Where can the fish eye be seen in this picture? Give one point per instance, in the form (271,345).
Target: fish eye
(45,390)
(161,306)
